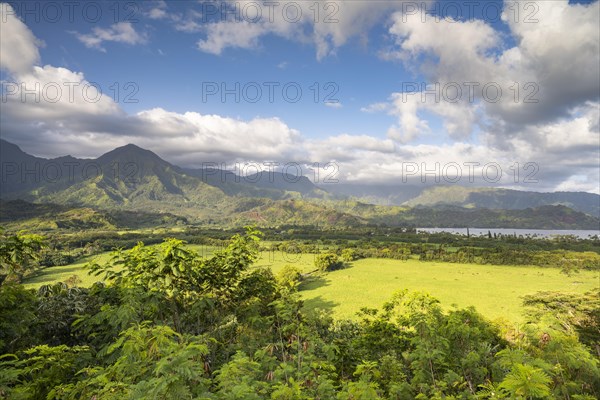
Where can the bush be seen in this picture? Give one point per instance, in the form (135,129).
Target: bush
(289,276)
(349,255)
(328,262)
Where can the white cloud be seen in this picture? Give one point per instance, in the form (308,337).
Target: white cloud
(157,13)
(334,104)
(121,32)
(564,148)
(327,24)
(409,124)
(225,34)
(184,22)
(558,69)
(376,107)
(158,10)
(18,46)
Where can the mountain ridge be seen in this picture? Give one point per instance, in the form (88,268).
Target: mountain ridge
(132,178)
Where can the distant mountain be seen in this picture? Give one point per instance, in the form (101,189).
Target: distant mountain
(544,217)
(468,197)
(127,177)
(132,179)
(273,185)
(450,216)
(380,194)
(505,199)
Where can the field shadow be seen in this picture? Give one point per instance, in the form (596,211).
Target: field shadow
(50,274)
(320,303)
(314,282)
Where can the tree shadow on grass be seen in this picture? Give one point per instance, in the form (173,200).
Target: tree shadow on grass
(51,274)
(319,303)
(314,281)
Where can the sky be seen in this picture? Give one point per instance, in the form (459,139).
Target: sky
(490,93)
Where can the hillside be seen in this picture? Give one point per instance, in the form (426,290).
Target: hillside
(506,199)
(544,217)
(272,185)
(19,214)
(468,197)
(128,177)
(295,212)
(131,179)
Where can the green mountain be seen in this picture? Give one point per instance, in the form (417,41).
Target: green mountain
(295,212)
(543,217)
(130,179)
(505,199)
(127,177)
(272,185)
(19,214)
(381,194)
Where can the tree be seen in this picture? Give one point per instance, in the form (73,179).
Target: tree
(328,262)
(289,276)
(18,318)
(526,382)
(17,253)
(349,255)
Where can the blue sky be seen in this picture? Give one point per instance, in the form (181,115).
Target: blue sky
(170,72)
(163,54)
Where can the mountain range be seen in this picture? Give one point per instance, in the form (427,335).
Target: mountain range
(132,178)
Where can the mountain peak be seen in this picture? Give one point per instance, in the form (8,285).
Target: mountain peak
(130,146)
(130,151)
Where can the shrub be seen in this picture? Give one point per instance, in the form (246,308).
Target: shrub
(328,262)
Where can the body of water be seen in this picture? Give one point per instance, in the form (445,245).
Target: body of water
(540,233)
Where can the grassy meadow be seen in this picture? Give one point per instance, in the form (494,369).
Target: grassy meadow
(495,291)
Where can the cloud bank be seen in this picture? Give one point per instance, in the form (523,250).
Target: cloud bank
(559,133)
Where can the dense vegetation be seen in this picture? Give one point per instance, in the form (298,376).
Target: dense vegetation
(168,323)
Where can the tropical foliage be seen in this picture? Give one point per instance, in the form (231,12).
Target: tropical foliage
(168,323)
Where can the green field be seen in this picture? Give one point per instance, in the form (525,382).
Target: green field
(495,291)
(61,273)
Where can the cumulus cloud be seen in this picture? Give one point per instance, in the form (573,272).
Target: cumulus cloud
(222,35)
(564,147)
(375,107)
(157,9)
(334,104)
(189,21)
(327,24)
(539,80)
(121,32)
(18,46)
(57,111)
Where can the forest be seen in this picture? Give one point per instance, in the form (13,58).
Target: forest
(165,322)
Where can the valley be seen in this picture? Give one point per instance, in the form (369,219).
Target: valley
(313,200)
